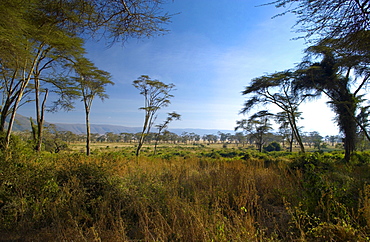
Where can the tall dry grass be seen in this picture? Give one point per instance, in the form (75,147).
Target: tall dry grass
(182,195)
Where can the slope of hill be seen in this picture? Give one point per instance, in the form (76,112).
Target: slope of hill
(21,123)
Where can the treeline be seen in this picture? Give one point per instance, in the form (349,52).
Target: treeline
(56,141)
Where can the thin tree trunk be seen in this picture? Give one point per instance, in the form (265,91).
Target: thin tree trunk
(142,136)
(11,121)
(87,134)
(156,142)
(40,122)
(291,142)
(40,110)
(295,131)
(12,117)
(5,113)
(87,113)
(11,96)
(140,144)
(298,138)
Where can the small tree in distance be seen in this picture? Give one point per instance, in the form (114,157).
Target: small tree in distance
(156,95)
(257,126)
(161,127)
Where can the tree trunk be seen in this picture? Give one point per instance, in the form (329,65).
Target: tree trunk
(11,96)
(144,131)
(348,126)
(291,142)
(295,131)
(140,144)
(87,113)
(345,106)
(12,116)
(40,123)
(40,110)
(156,142)
(5,113)
(26,80)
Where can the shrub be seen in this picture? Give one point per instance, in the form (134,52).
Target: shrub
(273,146)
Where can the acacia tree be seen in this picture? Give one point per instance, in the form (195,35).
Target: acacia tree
(13,54)
(171,116)
(224,137)
(277,89)
(92,83)
(156,95)
(35,39)
(54,56)
(340,31)
(211,138)
(240,138)
(43,42)
(257,126)
(332,76)
(30,30)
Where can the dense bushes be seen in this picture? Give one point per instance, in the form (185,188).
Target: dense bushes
(185,194)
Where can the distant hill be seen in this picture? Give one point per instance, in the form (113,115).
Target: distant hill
(22,123)
(97,128)
(117,129)
(200,131)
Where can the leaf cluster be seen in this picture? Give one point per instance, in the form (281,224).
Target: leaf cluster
(328,18)
(156,93)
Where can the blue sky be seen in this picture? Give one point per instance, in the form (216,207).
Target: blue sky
(213,49)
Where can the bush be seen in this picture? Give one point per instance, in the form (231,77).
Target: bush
(273,146)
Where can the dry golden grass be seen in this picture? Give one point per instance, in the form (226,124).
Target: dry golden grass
(182,194)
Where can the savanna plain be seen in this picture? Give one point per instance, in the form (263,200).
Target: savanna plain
(194,192)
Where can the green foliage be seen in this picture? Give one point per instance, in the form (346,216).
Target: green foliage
(360,157)
(330,190)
